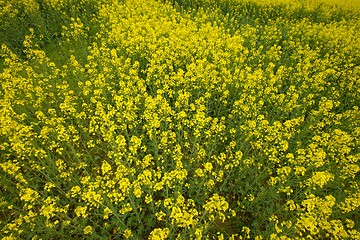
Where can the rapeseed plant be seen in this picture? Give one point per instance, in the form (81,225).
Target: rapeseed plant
(179,119)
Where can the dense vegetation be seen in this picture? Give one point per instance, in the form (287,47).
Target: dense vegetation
(188,119)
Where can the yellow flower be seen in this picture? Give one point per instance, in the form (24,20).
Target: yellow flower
(160,215)
(250,197)
(320,178)
(48,186)
(126,208)
(199,172)
(137,191)
(9,167)
(208,166)
(75,190)
(127,233)
(107,211)
(81,211)
(148,199)
(216,203)
(159,234)
(198,233)
(9,238)
(29,195)
(88,230)
(105,167)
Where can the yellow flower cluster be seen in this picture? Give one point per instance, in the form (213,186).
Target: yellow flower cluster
(189,119)
(159,234)
(217,204)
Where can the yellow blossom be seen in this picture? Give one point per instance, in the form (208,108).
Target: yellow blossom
(88,230)
(159,234)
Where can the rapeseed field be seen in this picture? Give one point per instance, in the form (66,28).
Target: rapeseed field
(179,119)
